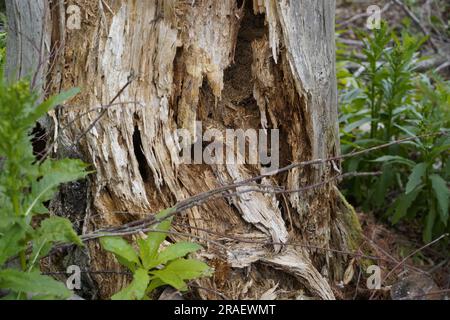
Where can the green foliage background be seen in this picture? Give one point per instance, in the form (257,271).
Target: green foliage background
(27,230)
(391,101)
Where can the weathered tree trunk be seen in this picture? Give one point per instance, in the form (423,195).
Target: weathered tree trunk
(230,64)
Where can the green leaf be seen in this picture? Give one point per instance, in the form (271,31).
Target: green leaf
(144,253)
(437,151)
(176,250)
(130,265)
(11,242)
(137,288)
(148,248)
(416,176)
(396,159)
(189,269)
(53,230)
(55,173)
(50,103)
(165,213)
(442,195)
(403,203)
(154,284)
(123,251)
(408,132)
(352,126)
(379,193)
(176,272)
(429,224)
(172,279)
(353,164)
(33,283)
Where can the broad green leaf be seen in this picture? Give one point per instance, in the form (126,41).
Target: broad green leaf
(53,230)
(149,247)
(144,254)
(442,195)
(165,213)
(50,103)
(381,186)
(120,248)
(8,221)
(396,159)
(55,173)
(416,176)
(171,278)
(33,283)
(11,242)
(176,272)
(137,288)
(40,208)
(353,164)
(429,224)
(176,250)
(189,269)
(154,284)
(403,203)
(437,151)
(130,265)
(408,132)
(352,126)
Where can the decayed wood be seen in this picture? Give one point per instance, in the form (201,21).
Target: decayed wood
(266,65)
(28,40)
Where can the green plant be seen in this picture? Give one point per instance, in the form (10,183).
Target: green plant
(426,189)
(153,268)
(392,101)
(27,233)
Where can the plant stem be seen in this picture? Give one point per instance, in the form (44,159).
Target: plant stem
(23,260)
(16,206)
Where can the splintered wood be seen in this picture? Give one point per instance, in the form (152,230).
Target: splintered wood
(265,65)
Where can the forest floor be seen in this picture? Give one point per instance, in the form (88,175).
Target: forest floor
(402,250)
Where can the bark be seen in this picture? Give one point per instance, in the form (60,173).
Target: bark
(263,64)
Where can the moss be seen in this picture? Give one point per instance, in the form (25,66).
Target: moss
(346,234)
(351,221)
(353,228)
